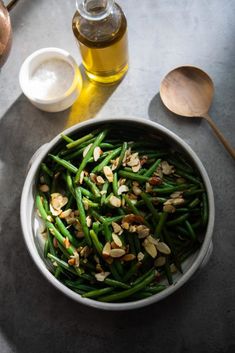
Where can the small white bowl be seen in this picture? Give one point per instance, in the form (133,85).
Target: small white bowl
(31,227)
(60,102)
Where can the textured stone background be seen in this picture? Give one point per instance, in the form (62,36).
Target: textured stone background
(200,317)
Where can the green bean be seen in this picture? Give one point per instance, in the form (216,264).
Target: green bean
(46,248)
(97,216)
(153,168)
(64,163)
(193,192)
(86,193)
(115,184)
(133,176)
(131,206)
(40,207)
(194,203)
(46,170)
(169,190)
(59,237)
(97,244)
(167,271)
(65,232)
(62,263)
(141,278)
(190,230)
(156,288)
(133,269)
(82,215)
(122,154)
(187,176)
(57,272)
(107,159)
(66,138)
(94,189)
(117,284)
(83,164)
(150,206)
(104,192)
(97,292)
(114,272)
(128,292)
(162,220)
(82,140)
(178,220)
(107,232)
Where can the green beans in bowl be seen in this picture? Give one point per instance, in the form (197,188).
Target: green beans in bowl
(122,212)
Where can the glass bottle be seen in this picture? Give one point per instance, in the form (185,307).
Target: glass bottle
(100,28)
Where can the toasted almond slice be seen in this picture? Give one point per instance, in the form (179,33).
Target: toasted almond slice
(66,243)
(176,194)
(163,248)
(116,228)
(71,262)
(108,173)
(100,180)
(109,260)
(173,268)
(81,177)
(178,201)
(106,250)
(136,190)
(122,189)
(66,213)
(169,208)
(160,261)
(152,240)
(140,256)
(142,231)
(80,234)
(136,167)
(133,228)
(148,187)
(117,253)
(76,259)
(85,251)
(58,200)
(97,153)
(128,257)
(167,169)
(117,240)
(114,245)
(101,276)
(115,163)
(44,188)
(54,212)
(86,149)
(88,221)
(150,248)
(115,201)
(125,225)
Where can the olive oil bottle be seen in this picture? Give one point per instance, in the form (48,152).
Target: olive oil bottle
(100,28)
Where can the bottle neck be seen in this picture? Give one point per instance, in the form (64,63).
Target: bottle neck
(95,10)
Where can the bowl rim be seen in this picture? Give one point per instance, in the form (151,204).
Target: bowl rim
(28,233)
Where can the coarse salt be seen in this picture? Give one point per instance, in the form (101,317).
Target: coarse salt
(51,79)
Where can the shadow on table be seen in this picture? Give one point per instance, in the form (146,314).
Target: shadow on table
(34,316)
(160,114)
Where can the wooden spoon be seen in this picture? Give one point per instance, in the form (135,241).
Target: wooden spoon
(188,91)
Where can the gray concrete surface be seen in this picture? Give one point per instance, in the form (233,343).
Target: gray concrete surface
(200,317)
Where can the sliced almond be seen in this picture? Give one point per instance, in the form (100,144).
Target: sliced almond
(115,253)
(167,169)
(106,250)
(71,262)
(93,177)
(54,212)
(176,194)
(169,208)
(100,180)
(114,245)
(85,251)
(97,153)
(122,189)
(101,276)
(80,234)
(117,228)
(66,213)
(142,231)
(136,167)
(115,201)
(150,248)
(81,177)
(115,163)
(86,149)
(178,201)
(148,187)
(152,240)
(108,173)
(160,261)
(44,188)
(88,221)
(58,201)
(132,218)
(117,240)
(76,259)
(163,248)
(128,257)
(125,225)
(66,243)
(136,190)
(140,256)
(173,268)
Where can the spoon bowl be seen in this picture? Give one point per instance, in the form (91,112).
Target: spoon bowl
(188,91)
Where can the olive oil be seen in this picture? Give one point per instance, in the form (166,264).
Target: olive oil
(103,42)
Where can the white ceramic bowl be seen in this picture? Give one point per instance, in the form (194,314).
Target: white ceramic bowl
(60,102)
(30,225)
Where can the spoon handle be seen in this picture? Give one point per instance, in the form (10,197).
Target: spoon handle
(220,136)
